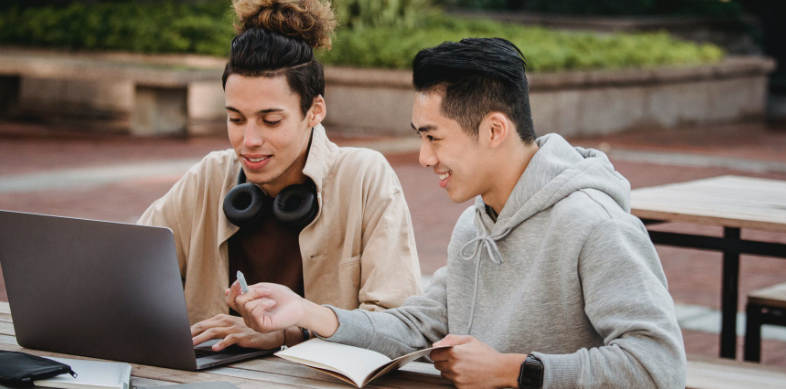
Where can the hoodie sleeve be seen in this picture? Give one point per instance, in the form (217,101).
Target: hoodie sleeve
(419,322)
(627,301)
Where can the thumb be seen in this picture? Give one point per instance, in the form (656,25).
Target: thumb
(454,340)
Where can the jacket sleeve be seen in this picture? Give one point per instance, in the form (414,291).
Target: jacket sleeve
(627,300)
(167,212)
(419,322)
(390,270)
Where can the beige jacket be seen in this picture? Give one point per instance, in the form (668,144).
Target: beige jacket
(358,252)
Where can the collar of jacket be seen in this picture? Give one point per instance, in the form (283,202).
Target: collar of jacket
(322,155)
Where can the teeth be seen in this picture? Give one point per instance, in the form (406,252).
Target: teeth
(257,160)
(444,176)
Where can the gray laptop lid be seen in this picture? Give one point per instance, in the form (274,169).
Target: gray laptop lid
(98,289)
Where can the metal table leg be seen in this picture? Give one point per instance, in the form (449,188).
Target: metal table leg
(730,293)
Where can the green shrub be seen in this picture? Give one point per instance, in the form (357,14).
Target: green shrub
(383,34)
(545,49)
(362,14)
(160,27)
(722,8)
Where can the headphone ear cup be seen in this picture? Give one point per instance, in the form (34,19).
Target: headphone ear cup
(296,206)
(244,205)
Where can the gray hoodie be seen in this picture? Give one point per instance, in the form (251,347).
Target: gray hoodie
(565,272)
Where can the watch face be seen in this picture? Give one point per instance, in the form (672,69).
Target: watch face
(531,375)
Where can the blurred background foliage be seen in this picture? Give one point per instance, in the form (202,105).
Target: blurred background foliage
(726,8)
(373,33)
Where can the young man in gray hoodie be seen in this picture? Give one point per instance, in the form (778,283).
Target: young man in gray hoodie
(550,281)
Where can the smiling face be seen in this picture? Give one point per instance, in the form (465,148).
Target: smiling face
(268,131)
(457,158)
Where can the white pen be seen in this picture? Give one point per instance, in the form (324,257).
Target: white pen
(242,280)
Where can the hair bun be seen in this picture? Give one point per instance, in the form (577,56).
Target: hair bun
(310,20)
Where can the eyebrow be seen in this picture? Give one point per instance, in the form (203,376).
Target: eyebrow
(263,111)
(422,129)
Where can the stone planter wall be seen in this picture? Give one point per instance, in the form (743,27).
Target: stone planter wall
(379,102)
(366,101)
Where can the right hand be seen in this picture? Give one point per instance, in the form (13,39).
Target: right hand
(268,307)
(232,330)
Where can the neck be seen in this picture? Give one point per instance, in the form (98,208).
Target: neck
(507,174)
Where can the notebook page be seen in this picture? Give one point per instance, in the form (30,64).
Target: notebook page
(355,363)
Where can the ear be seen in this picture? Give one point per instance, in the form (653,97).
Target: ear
(495,127)
(316,114)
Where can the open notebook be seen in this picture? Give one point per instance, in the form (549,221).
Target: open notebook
(353,365)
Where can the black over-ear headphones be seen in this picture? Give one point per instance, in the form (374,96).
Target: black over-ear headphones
(296,206)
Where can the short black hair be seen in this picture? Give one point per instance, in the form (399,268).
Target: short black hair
(477,76)
(259,52)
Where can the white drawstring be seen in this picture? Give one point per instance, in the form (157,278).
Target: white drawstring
(486,240)
(491,247)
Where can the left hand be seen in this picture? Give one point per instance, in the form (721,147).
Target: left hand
(471,363)
(231,330)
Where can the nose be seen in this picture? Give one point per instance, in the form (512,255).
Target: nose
(427,157)
(252,136)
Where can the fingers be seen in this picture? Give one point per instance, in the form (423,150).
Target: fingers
(226,342)
(454,340)
(257,316)
(221,320)
(211,333)
(443,366)
(232,293)
(241,300)
(440,355)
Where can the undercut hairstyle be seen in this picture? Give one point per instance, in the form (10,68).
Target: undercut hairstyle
(475,77)
(277,38)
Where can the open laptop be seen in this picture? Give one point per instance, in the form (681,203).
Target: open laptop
(100,289)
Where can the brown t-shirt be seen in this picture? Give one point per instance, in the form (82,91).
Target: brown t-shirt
(267,252)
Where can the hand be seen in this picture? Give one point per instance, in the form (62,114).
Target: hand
(267,307)
(232,330)
(471,363)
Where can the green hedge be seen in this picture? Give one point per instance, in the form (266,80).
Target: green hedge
(162,27)
(206,28)
(719,8)
(545,49)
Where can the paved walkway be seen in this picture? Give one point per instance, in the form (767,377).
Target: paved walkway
(57,171)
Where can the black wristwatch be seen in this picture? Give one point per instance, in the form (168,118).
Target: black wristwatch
(531,374)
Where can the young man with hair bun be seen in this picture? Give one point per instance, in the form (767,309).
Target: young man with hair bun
(285,204)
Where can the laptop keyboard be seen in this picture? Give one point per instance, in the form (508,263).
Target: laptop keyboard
(203,353)
(234,349)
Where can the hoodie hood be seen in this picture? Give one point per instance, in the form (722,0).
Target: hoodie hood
(555,171)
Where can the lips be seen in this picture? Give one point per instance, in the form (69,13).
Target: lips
(443,179)
(255,161)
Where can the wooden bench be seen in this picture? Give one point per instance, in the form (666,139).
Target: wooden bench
(160,98)
(765,306)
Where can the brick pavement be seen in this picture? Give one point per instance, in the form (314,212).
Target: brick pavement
(694,276)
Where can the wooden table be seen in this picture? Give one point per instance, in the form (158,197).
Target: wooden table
(730,202)
(268,372)
(274,372)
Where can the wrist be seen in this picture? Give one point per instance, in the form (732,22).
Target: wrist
(320,320)
(293,336)
(509,369)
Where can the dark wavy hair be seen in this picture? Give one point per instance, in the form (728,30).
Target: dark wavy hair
(477,76)
(277,38)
